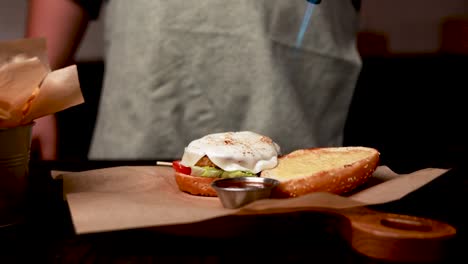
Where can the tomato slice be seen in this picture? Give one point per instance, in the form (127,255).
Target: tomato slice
(181,168)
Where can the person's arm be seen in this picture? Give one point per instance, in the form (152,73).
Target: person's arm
(62,23)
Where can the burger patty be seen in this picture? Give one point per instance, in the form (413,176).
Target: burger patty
(206,162)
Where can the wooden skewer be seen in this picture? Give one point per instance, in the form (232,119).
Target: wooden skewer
(164,163)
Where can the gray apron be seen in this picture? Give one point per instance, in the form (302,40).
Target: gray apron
(177,70)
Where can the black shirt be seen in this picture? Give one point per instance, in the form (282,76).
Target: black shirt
(93,7)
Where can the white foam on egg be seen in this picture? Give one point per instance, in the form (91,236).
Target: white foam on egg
(231,151)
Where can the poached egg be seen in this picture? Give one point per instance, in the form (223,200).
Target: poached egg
(232,151)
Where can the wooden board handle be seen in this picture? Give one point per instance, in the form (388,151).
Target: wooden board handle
(396,237)
(387,236)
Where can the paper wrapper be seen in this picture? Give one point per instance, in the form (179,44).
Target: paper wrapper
(28,88)
(130,197)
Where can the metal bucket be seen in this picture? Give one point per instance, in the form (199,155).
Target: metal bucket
(15,144)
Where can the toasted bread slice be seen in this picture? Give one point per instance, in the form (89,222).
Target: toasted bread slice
(336,170)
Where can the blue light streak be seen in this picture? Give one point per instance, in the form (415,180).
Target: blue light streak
(305,24)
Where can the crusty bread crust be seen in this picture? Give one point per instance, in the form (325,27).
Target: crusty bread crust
(195,185)
(336,170)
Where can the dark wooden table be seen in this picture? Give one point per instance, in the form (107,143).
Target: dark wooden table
(46,235)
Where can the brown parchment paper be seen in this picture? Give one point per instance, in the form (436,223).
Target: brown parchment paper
(127,197)
(29,89)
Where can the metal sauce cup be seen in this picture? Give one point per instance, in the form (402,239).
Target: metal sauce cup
(237,192)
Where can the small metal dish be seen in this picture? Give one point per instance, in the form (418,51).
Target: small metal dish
(237,192)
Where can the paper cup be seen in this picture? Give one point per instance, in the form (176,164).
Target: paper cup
(15,144)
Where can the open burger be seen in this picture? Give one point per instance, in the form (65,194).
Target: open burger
(223,155)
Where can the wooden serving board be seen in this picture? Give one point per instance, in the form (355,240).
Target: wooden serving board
(395,237)
(374,234)
(389,236)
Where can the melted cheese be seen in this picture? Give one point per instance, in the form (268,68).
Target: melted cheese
(231,151)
